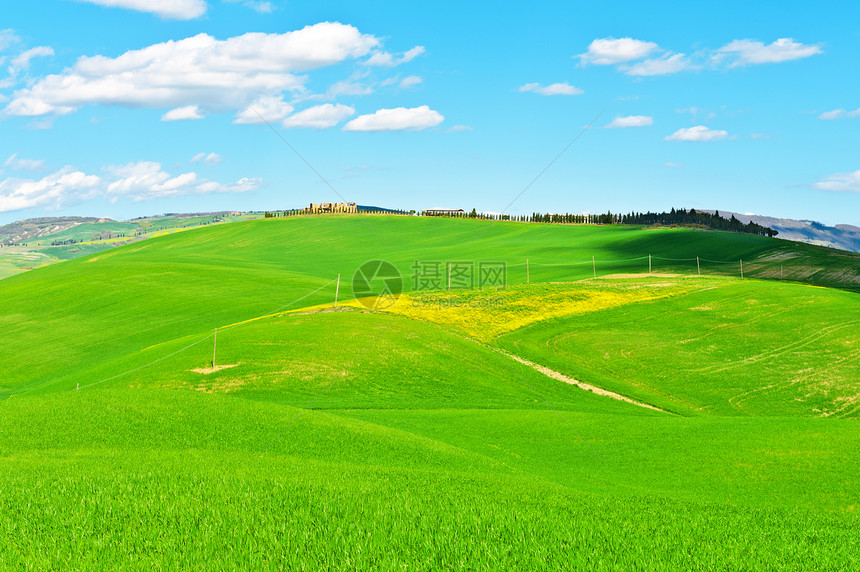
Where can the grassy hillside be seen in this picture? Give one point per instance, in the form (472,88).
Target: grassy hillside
(88,231)
(748,348)
(40,242)
(410,436)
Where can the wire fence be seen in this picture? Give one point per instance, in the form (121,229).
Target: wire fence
(836,271)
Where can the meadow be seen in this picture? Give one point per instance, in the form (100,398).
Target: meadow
(408,436)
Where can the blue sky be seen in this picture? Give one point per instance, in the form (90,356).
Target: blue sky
(125,108)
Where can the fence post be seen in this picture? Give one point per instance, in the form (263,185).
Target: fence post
(649,264)
(594,266)
(698,269)
(742,269)
(336,290)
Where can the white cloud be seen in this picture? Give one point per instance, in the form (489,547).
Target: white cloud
(258,6)
(134,181)
(840,183)
(320,116)
(672,165)
(207,158)
(214,74)
(410,81)
(839,114)
(667,64)
(7,38)
(416,118)
(183,113)
(347,87)
(553,89)
(169,9)
(458,128)
(20,164)
(147,180)
(267,108)
(630,121)
(640,59)
(611,51)
(753,52)
(385,59)
(64,186)
(22,62)
(697,133)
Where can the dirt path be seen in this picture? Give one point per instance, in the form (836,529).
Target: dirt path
(586,386)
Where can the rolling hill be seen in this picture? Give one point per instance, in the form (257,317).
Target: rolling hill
(842,236)
(420,433)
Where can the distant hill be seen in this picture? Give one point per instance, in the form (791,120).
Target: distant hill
(841,236)
(30,229)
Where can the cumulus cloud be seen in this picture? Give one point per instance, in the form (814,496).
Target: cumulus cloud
(20,164)
(168,9)
(697,133)
(839,114)
(267,108)
(630,121)
(183,113)
(203,71)
(640,59)
(55,190)
(410,81)
(207,158)
(611,51)
(415,118)
(134,181)
(147,180)
(320,116)
(840,183)
(553,89)
(753,52)
(21,62)
(385,59)
(667,64)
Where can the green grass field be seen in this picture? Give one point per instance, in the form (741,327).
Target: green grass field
(410,437)
(92,237)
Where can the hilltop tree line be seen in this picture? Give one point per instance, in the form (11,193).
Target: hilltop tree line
(700,218)
(675,217)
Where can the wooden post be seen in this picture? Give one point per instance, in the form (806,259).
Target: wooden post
(336,290)
(214,347)
(528,277)
(594,266)
(780,271)
(649,264)
(698,269)
(742,269)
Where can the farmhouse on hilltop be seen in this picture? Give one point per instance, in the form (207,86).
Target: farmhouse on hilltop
(332,208)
